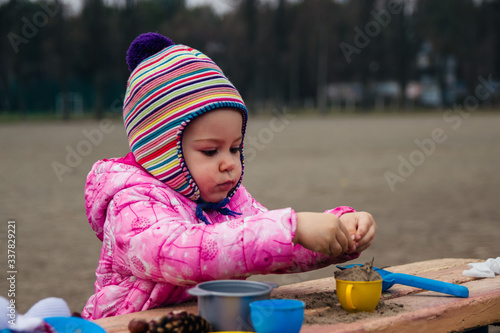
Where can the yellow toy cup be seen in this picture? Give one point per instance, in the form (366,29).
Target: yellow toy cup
(355,296)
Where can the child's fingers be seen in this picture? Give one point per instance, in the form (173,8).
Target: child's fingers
(349,220)
(349,238)
(367,239)
(335,248)
(341,241)
(361,232)
(365,225)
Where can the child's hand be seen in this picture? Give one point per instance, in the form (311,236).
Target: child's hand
(361,227)
(323,232)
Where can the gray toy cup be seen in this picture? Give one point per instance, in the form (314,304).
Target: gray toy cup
(226,303)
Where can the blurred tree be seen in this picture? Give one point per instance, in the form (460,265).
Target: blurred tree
(293,67)
(56,56)
(406,52)
(322,74)
(243,53)
(95,29)
(304,47)
(20,52)
(399,63)
(367,54)
(489,31)
(281,32)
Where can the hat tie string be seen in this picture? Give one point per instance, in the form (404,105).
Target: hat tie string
(218,206)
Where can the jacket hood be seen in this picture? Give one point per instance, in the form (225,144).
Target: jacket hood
(106,179)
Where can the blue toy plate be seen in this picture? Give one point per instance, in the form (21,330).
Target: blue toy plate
(73,325)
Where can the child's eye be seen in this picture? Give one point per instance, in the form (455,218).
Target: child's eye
(209,152)
(235,150)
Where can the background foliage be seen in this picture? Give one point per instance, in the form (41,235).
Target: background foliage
(276,53)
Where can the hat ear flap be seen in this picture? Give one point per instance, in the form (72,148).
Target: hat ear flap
(144,46)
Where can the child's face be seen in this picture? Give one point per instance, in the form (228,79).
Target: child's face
(211,146)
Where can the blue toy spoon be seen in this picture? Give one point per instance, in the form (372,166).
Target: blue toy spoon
(389,279)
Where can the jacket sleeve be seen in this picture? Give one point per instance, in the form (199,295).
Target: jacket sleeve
(303,259)
(151,236)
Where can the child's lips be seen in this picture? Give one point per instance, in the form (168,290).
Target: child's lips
(226,186)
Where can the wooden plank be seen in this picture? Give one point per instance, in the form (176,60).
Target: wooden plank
(421,267)
(425,311)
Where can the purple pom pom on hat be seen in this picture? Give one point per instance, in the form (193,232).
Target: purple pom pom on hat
(144,46)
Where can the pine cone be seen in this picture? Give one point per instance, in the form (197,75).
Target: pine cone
(138,326)
(173,322)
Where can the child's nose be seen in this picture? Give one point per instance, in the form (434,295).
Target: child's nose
(228,163)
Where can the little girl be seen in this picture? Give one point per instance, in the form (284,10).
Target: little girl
(173,212)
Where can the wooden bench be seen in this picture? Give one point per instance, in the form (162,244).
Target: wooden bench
(424,311)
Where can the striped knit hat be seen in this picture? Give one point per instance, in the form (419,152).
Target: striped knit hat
(169,86)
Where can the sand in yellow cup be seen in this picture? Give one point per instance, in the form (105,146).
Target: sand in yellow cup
(355,296)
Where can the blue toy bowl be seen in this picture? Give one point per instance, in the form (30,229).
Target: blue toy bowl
(277,315)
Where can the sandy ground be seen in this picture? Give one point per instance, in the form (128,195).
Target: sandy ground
(444,200)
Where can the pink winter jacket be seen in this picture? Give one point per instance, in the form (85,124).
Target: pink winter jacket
(155,248)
